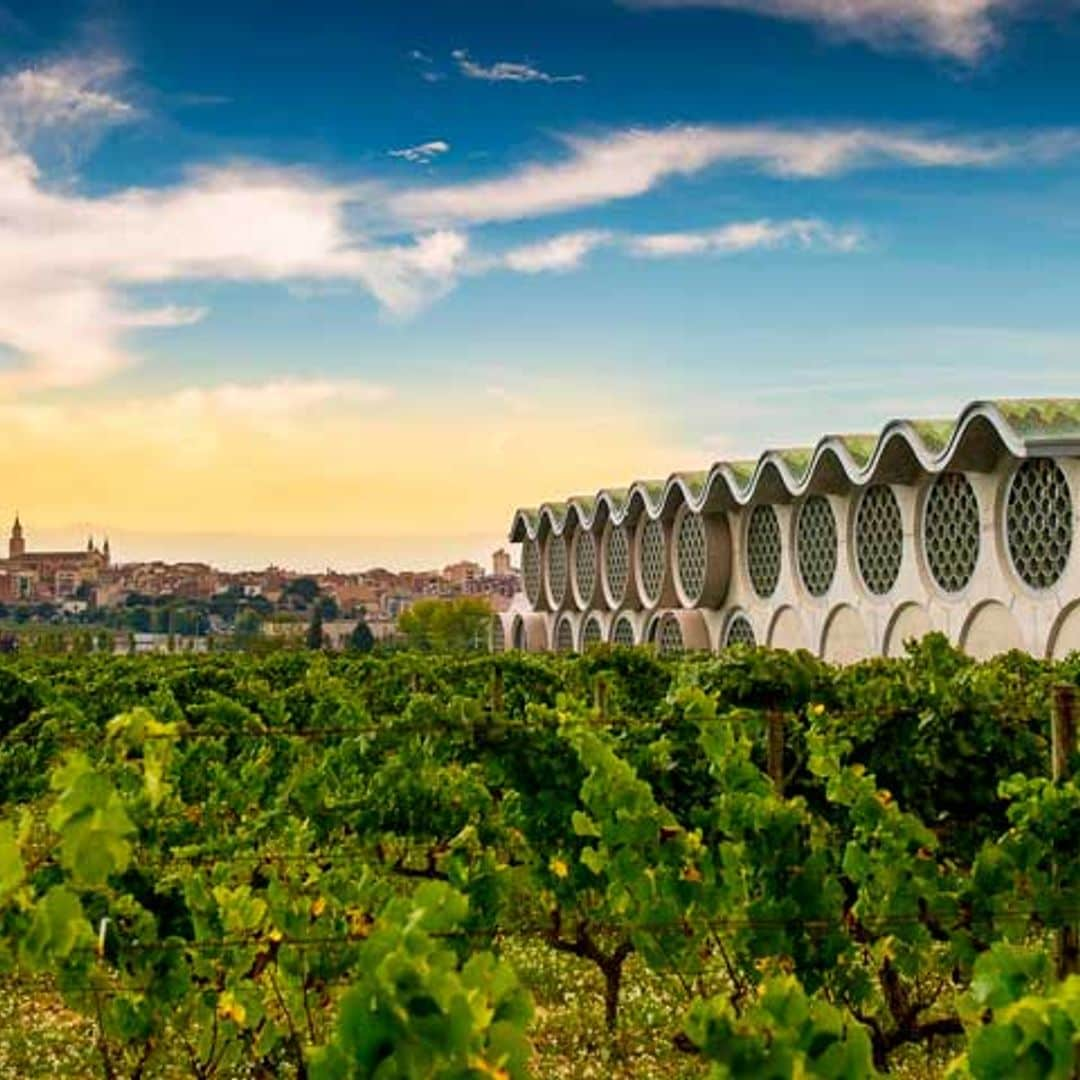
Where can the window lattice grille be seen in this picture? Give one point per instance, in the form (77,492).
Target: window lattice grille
(951,531)
(585,565)
(498,635)
(530,570)
(592,634)
(817,545)
(691,550)
(1039,522)
(740,632)
(556,569)
(617,563)
(879,539)
(653,551)
(669,637)
(763,550)
(564,636)
(623,634)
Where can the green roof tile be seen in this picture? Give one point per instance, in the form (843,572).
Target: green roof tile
(935,434)
(1027,420)
(860,447)
(1042,417)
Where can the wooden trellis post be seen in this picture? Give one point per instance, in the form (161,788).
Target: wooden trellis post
(600,699)
(1063,745)
(775,748)
(497,688)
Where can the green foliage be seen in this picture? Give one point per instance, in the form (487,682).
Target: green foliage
(315,637)
(361,639)
(302,862)
(1020,1024)
(418,1010)
(458,625)
(784,1035)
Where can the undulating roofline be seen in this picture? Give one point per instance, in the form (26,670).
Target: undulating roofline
(1022,427)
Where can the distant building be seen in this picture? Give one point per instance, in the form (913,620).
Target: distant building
(49,575)
(500,563)
(461,573)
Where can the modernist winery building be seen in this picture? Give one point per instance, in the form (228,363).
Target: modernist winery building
(848,548)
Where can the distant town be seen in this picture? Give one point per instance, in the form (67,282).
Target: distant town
(185,606)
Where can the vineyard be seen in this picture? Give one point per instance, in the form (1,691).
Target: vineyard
(616,864)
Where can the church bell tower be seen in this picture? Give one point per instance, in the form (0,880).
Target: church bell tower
(16,545)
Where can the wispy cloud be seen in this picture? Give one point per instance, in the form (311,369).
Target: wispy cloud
(68,261)
(71,264)
(426,64)
(423,153)
(806,233)
(631,162)
(286,397)
(558,254)
(63,104)
(960,29)
(570,250)
(507,71)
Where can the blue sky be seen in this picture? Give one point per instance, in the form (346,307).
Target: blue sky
(360,278)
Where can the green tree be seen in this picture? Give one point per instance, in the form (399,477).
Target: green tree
(458,625)
(315,635)
(361,639)
(247,629)
(328,605)
(302,591)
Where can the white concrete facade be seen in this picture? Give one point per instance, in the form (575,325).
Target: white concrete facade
(880,540)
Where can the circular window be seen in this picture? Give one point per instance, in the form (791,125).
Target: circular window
(691,555)
(651,561)
(951,531)
(763,550)
(564,636)
(593,633)
(584,566)
(498,635)
(1039,522)
(817,545)
(530,570)
(556,570)
(669,637)
(519,637)
(739,631)
(623,633)
(617,563)
(879,539)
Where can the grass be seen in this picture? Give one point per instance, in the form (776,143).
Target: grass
(41,1038)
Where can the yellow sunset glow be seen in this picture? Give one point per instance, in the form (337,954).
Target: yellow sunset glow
(299,458)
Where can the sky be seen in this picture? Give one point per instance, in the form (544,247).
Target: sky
(345,283)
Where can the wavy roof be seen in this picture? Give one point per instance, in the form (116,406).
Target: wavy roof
(1022,427)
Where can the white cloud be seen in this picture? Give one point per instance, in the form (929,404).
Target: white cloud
(67,260)
(281,398)
(61,97)
(568,251)
(808,233)
(423,152)
(557,254)
(631,162)
(507,71)
(961,29)
(70,263)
